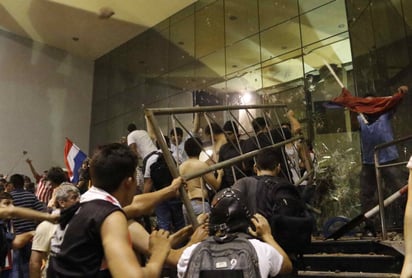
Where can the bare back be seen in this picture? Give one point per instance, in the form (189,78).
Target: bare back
(194,186)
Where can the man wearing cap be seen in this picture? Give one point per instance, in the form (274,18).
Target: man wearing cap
(229,218)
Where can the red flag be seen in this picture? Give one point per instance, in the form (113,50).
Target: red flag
(374,105)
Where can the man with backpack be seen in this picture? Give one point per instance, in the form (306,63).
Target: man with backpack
(232,248)
(280,202)
(157,175)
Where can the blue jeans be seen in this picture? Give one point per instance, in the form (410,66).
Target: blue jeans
(21,259)
(170,216)
(197,209)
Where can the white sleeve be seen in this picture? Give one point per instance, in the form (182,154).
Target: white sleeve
(184,260)
(129,139)
(43,235)
(149,162)
(270,260)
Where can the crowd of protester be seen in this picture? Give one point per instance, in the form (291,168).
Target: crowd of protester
(96,227)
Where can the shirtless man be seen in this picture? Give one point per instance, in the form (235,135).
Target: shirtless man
(196,188)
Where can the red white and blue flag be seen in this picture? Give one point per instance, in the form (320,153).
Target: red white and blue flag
(73,158)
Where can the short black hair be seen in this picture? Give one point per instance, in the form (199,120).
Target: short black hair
(131,127)
(258,124)
(179,131)
(17,180)
(231,126)
(193,146)
(111,164)
(56,175)
(268,159)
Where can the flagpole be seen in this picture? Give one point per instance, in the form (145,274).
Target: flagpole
(342,86)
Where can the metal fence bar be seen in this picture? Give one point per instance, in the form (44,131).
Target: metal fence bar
(379,179)
(150,113)
(183,110)
(171,164)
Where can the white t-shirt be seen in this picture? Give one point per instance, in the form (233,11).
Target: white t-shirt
(270,260)
(144,143)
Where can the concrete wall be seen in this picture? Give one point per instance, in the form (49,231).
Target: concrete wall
(45,96)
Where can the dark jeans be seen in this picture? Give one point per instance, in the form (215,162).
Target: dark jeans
(169,215)
(21,259)
(394,178)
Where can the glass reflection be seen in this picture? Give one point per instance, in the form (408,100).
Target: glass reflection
(242,54)
(275,12)
(209,32)
(316,26)
(280,39)
(241,20)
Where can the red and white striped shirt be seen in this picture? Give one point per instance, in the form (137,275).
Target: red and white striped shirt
(44,191)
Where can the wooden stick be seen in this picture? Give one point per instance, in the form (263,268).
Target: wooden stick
(333,73)
(341,85)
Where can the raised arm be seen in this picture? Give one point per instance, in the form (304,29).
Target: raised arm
(196,124)
(36,175)
(296,128)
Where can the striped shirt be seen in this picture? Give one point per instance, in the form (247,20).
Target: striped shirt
(44,191)
(23,198)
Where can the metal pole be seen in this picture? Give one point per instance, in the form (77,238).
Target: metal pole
(380,194)
(230,162)
(379,178)
(171,164)
(183,110)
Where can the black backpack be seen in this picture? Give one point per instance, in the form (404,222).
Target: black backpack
(235,258)
(290,220)
(159,171)
(6,239)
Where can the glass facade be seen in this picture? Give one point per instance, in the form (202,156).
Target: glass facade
(276,51)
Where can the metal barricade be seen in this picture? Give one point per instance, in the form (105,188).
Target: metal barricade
(379,181)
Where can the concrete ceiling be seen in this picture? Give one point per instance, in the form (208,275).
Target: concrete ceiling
(76,25)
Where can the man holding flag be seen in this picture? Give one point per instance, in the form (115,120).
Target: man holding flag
(374,123)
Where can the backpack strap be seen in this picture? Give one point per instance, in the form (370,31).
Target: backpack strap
(146,158)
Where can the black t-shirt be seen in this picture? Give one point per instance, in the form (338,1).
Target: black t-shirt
(226,152)
(81,251)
